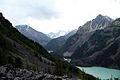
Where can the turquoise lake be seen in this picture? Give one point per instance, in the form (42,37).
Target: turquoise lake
(100,72)
(103,73)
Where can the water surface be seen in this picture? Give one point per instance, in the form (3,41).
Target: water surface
(103,73)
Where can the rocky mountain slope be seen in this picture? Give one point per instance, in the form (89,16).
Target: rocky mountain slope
(55,44)
(100,22)
(83,34)
(29,32)
(97,47)
(101,49)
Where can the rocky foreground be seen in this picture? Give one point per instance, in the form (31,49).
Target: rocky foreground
(7,72)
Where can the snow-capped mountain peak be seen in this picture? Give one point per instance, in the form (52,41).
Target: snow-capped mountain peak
(57,34)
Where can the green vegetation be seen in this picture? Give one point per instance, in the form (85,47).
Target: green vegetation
(26,66)
(5,56)
(37,64)
(18,63)
(58,68)
(63,68)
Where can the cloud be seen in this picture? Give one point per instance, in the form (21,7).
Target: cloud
(54,15)
(20,9)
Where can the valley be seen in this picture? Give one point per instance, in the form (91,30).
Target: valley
(95,47)
(78,54)
(96,43)
(60,40)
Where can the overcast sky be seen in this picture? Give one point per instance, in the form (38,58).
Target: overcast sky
(54,15)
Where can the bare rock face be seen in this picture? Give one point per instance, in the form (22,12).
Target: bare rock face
(100,22)
(7,72)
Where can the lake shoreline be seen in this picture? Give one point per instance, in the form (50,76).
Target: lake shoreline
(101,72)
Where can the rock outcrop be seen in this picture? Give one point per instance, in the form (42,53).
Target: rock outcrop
(8,72)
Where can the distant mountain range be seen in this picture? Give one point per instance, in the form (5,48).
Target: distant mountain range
(40,37)
(56,43)
(96,43)
(31,33)
(53,35)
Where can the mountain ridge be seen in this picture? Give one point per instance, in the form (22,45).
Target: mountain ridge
(100,22)
(83,34)
(104,51)
(31,33)
(93,47)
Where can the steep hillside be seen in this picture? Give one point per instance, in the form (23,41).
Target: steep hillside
(83,34)
(55,44)
(19,50)
(29,32)
(101,49)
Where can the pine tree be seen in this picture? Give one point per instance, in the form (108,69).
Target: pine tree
(80,74)
(37,64)
(18,62)
(68,71)
(26,63)
(33,68)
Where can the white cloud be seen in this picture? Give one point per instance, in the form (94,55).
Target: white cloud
(54,15)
